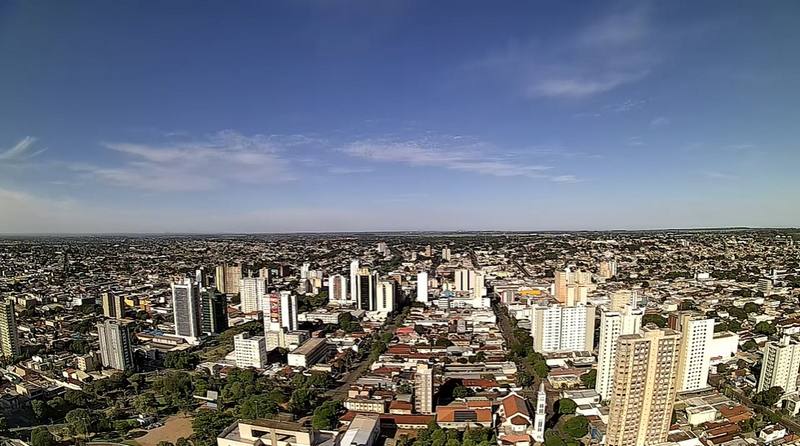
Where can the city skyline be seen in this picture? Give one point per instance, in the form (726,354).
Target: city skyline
(396,116)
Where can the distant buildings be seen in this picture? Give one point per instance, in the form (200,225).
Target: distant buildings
(250,351)
(422,287)
(113,305)
(9,339)
(116,350)
(423,389)
(781,365)
(607,268)
(186,309)
(645,385)
(560,328)
(571,287)
(613,324)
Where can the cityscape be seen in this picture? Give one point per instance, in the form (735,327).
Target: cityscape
(399,223)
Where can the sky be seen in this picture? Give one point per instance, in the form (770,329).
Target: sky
(292,116)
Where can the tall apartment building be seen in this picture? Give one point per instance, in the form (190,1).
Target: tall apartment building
(385,296)
(365,285)
(464,279)
(337,288)
(697,335)
(214,311)
(280,318)
(645,385)
(113,305)
(561,328)
(227,278)
(764,286)
(423,389)
(781,365)
(9,338)
(354,267)
(571,287)
(116,350)
(540,416)
(623,298)
(186,309)
(250,351)
(252,291)
(422,287)
(607,268)
(446,254)
(613,324)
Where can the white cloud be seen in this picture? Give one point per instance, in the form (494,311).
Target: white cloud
(660,121)
(339,170)
(22,150)
(194,165)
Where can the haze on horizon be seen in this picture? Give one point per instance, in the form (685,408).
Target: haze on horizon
(287,116)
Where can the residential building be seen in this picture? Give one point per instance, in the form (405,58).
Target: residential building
(113,305)
(560,328)
(250,351)
(354,291)
(9,338)
(571,287)
(645,385)
(337,288)
(252,291)
(423,389)
(227,278)
(697,335)
(422,287)
(781,365)
(613,324)
(386,296)
(116,350)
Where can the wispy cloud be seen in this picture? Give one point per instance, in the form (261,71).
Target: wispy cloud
(193,165)
(23,150)
(339,170)
(609,53)
(660,121)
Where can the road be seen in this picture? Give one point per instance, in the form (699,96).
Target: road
(504,322)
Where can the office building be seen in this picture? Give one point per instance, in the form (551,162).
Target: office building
(252,291)
(113,305)
(337,288)
(781,365)
(365,285)
(613,324)
(304,270)
(697,336)
(250,351)
(266,274)
(214,311)
(116,350)
(422,287)
(227,278)
(311,352)
(423,389)
(560,328)
(645,385)
(186,309)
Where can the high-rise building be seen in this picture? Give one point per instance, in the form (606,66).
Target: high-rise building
(623,298)
(214,307)
(113,305)
(446,255)
(464,279)
(354,267)
(607,268)
(304,270)
(365,285)
(280,312)
(781,365)
(422,286)
(613,324)
(645,385)
(571,287)
(697,335)
(764,286)
(423,389)
(540,416)
(9,338)
(266,274)
(385,295)
(116,350)
(288,310)
(227,278)
(337,288)
(186,309)
(560,328)
(252,291)
(479,286)
(250,351)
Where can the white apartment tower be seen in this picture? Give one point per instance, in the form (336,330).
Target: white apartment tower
(560,328)
(423,389)
(337,288)
(613,324)
(252,291)
(250,351)
(781,365)
(697,335)
(464,279)
(116,350)
(422,287)
(385,296)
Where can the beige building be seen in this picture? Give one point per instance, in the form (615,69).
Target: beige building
(423,389)
(227,278)
(9,339)
(781,365)
(697,335)
(271,433)
(113,305)
(644,389)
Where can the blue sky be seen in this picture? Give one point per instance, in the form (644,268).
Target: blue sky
(248,116)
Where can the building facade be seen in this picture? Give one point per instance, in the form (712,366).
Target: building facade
(613,325)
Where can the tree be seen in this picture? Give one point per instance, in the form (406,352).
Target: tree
(765,328)
(566,406)
(165,443)
(768,397)
(77,398)
(736,312)
(300,401)
(325,416)
(589,379)
(576,427)
(146,404)
(183,442)
(750,345)
(552,439)
(257,406)
(541,369)
(207,424)
(524,379)
(79,422)
(181,360)
(751,307)
(656,319)
(40,409)
(41,436)
(462,392)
